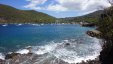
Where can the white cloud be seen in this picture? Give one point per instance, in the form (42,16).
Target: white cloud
(34,4)
(56,8)
(69,5)
(83,4)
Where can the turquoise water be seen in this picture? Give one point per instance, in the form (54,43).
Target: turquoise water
(51,39)
(13,37)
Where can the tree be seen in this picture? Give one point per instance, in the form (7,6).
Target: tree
(111,2)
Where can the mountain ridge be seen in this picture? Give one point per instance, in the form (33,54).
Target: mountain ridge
(91,17)
(9,14)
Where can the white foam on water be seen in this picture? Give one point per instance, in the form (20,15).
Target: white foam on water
(73,53)
(42,24)
(23,51)
(2,56)
(60,51)
(44,49)
(73,58)
(35,24)
(19,24)
(5,25)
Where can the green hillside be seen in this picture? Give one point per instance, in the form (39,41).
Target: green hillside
(91,17)
(9,14)
(106,23)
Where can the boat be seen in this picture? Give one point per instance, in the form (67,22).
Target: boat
(5,25)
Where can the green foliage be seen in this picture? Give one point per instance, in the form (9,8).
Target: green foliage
(90,18)
(106,23)
(9,14)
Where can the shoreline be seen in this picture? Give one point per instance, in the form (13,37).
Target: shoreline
(41,23)
(24,55)
(17,58)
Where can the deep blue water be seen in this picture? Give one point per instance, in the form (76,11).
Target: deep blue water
(13,37)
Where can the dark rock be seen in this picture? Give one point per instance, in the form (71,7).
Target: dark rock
(88,24)
(16,58)
(10,56)
(2,61)
(67,44)
(106,55)
(29,54)
(30,49)
(95,61)
(94,33)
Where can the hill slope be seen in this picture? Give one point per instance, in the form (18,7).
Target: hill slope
(91,17)
(9,14)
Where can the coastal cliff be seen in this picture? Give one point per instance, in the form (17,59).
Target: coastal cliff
(105,32)
(106,27)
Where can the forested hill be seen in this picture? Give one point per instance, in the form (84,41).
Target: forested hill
(91,17)
(10,14)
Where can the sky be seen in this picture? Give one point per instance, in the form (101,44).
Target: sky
(59,8)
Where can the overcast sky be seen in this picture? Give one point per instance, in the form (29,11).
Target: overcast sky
(59,8)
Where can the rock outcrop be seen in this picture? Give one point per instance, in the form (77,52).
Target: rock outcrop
(12,55)
(94,33)
(2,61)
(88,24)
(105,25)
(106,55)
(30,58)
(95,61)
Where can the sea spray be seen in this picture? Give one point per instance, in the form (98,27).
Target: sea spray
(73,53)
(23,51)
(2,56)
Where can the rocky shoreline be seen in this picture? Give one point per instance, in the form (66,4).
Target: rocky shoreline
(106,55)
(94,33)
(95,61)
(30,58)
(85,24)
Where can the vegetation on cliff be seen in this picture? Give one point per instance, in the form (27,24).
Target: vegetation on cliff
(105,25)
(9,14)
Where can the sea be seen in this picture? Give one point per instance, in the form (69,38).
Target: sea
(67,42)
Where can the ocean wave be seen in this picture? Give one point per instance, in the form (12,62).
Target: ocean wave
(4,25)
(35,24)
(77,54)
(2,56)
(19,24)
(23,51)
(72,53)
